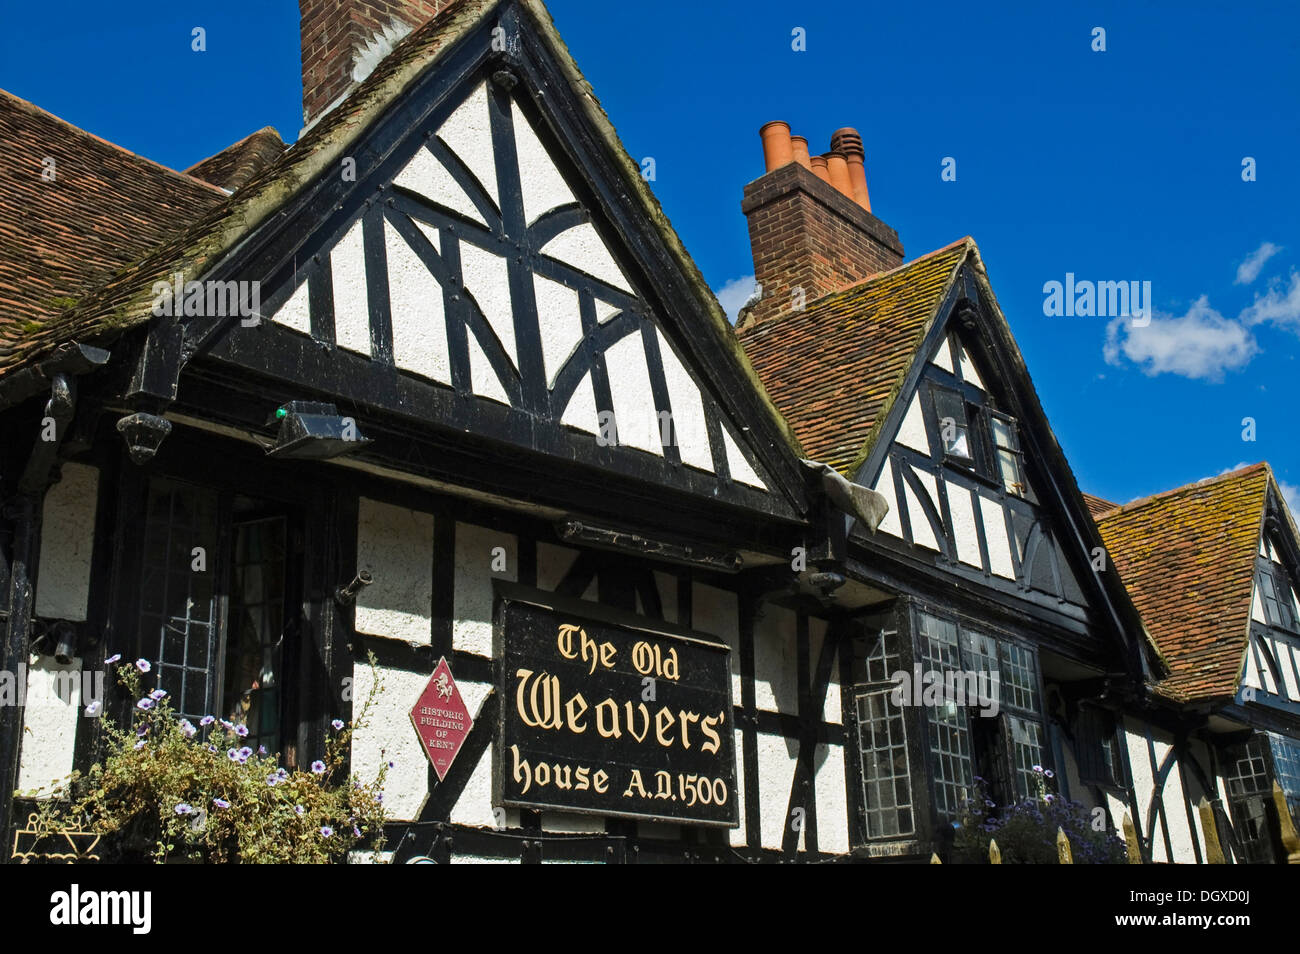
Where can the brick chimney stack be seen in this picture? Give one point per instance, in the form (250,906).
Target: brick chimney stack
(343,40)
(810,223)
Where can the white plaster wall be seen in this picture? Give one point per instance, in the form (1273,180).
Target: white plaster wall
(1143,782)
(689,425)
(581,410)
(351,304)
(474,807)
(885,487)
(295,313)
(776,686)
(1181,834)
(831,709)
(634,405)
(943,357)
(559,321)
(583,248)
(1257,607)
(487,279)
(911,432)
(67,542)
(426,176)
(968,371)
(1252,668)
(468,133)
(922,534)
(49,723)
(737,462)
(776,763)
(832,801)
(419,325)
(396,545)
(1118,809)
(995,534)
(961,506)
(472,626)
(543,185)
(1282,653)
(737,836)
(389,736)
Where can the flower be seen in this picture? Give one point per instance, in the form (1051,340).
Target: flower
(241,731)
(282,773)
(326,831)
(146,704)
(232,754)
(143,665)
(1049,798)
(261,750)
(1036,769)
(207,720)
(227,725)
(139,745)
(299,809)
(116,657)
(244,753)
(356,832)
(273,780)
(187,727)
(1049,773)
(338,724)
(93,707)
(318,767)
(989,803)
(221,803)
(184,809)
(158,695)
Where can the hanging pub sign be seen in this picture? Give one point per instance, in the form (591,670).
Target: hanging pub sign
(610,714)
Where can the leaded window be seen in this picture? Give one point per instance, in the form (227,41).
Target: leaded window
(1250,786)
(887,801)
(1286,768)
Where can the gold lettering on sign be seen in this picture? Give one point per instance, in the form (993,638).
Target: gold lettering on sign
(589,651)
(631,720)
(608,732)
(687,718)
(634,786)
(661,723)
(569,708)
(707,728)
(543,713)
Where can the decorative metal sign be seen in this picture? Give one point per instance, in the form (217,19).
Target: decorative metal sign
(613,716)
(442,719)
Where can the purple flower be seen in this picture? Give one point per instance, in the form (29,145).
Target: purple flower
(326,831)
(1049,798)
(318,767)
(298,809)
(338,724)
(261,750)
(392,765)
(227,725)
(93,707)
(143,665)
(1038,769)
(183,809)
(145,703)
(212,748)
(221,803)
(241,731)
(142,731)
(988,803)
(282,773)
(207,720)
(244,753)
(232,754)
(273,780)
(1049,773)
(116,657)
(356,832)
(139,745)
(158,695)
(188,729)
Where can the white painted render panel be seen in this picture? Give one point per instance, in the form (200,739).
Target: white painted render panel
(389,736)
(1282,653)
(969,373)
(67,542)
(1252,669)
(634,406)
(1257,607)
(487,279)
(1118,809)
(295,313)
(1180,834)
(49,723)
(468,133)
(483,379)
(943,357)
(689,425)
(543,186)
(471,630)
(474,807)
(885,487)
(584,249)
(419,326)
(351,304)
(995,534)
(961,506)
(922,533)
(559,321)
(831,711)
(832,803)
(427,177)
(581,411)
(737,462)
(737,836)
(396,546)
(911,432)
(1143,778)
(1265,670)
(776,764)
(776,686)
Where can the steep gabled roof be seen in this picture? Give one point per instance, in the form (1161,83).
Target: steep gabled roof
(835,368)
(233,166)
(63,234)
(1097,506)
(1187,557)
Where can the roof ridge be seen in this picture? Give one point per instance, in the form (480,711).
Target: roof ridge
(29,105)
(235,145)
(1142,502)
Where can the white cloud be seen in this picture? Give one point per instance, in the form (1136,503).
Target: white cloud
(733,295)
(1230,470)
(1292,494)
(1249,270)
(1279,305)
(1200,344)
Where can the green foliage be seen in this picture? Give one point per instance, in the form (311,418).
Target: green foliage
(1026,831)
(168,790)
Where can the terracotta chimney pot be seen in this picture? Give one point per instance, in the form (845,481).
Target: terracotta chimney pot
(838,168)
(819,169)
(848,142)
(777,149)
(800,145)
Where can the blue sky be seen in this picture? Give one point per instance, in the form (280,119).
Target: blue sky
(1117,165)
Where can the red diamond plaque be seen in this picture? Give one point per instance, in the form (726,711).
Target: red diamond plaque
(441,719)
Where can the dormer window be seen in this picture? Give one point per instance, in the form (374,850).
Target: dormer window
(1275,593)
(977,438)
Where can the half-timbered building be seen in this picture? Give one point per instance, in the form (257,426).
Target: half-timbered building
(438,385)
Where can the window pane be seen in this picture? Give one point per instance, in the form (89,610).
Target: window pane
(886,772)
(954,427)
(1286,768)
(1019,678)
(1026,752)
(1249,789)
